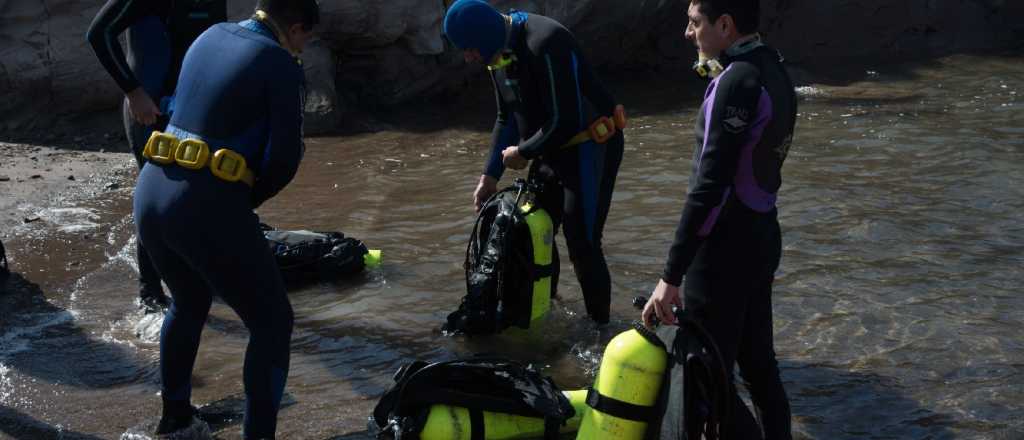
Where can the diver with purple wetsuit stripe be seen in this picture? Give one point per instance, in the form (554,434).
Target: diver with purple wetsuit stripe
(728,242)
(743,135)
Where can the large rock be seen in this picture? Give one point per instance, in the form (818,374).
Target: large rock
(816,32)
(46,66)
(383,53)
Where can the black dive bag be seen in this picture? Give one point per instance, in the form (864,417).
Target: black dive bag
(478,384)
(305,256)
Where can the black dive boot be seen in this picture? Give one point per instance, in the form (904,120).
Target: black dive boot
(153,300)
(176,416)
(180,421)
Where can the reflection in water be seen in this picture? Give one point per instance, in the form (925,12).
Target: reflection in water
(896,308)
(17,425)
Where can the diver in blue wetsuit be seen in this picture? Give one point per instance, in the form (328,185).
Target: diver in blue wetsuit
(728,242)
(158,34)
(234,141)
(553,110)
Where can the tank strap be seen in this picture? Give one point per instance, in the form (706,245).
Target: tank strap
(551,425)
(476,424)
(543,270)
(618,408)
(478,430)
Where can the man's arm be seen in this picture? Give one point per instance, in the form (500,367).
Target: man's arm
(113,18)
(504,134)
(560,90)
(285,146)
(732,111)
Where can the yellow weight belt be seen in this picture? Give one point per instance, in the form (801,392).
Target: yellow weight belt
(194,154)
(601,129)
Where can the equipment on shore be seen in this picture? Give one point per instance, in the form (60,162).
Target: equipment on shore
(624,398)
(666,384)
(305,256)
(480,398)
(511,264)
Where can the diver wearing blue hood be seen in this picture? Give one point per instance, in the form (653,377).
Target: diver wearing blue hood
(552,109)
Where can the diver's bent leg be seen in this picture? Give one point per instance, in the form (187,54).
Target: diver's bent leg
(183,323)
(588,260)
(180,334)
(151,292)
(250,282)
(612,160)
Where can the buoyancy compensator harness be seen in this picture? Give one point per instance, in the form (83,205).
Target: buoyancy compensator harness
(511,264)
(306,256)
(696,397)
(475,399)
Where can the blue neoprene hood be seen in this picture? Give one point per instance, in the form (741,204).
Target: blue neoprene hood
(475,24)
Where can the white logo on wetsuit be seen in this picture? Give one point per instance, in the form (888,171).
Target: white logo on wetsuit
(783,149)
(735,119)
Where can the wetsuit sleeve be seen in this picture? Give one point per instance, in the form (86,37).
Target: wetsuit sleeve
(112,20)
(285,146)
(559,86)
(505,133)
(728,114)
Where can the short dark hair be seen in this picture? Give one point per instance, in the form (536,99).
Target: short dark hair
(289,12)
(745,13)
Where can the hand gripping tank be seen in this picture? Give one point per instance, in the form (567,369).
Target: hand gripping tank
(627,385)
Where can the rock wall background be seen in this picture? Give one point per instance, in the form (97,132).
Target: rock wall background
(374,53)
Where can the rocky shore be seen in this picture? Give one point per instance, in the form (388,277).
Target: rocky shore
(371,55)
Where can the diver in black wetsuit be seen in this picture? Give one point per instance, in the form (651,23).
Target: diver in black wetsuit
(158,34)
(547,95)
(234,142)
(728,242)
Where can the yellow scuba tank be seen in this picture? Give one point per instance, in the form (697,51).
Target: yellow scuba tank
(627,386)
(542,237)
(446,422)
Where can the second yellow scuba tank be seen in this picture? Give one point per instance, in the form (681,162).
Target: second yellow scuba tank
(478,398)
(543,238)
(511,264)
(626,390)
(446,422)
